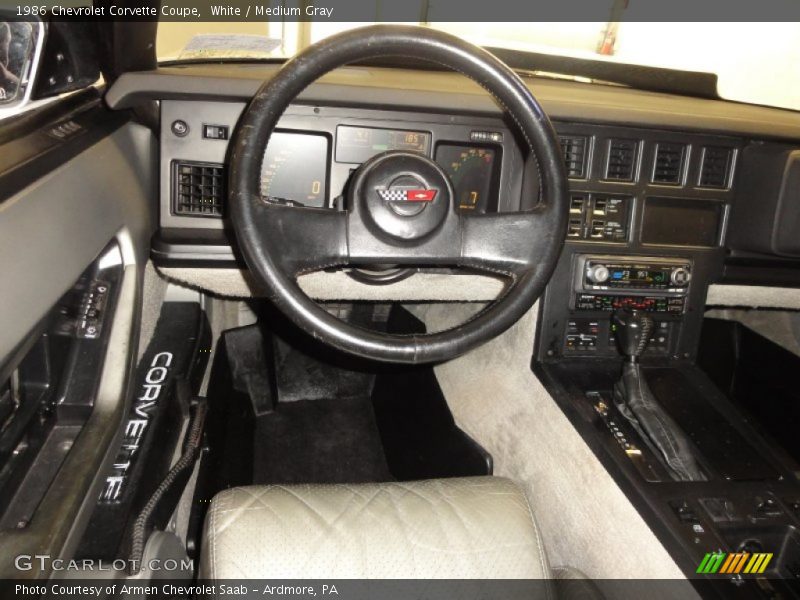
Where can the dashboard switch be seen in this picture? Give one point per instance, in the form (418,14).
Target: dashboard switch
(179,128)
(684,512)
(215,132)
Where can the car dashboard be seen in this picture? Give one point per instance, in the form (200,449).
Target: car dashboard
(654,179)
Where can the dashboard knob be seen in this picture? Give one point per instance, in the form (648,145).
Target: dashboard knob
(680,276)
(597,273)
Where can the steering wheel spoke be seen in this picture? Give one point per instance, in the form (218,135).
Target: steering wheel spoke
(307,239)
(510,244)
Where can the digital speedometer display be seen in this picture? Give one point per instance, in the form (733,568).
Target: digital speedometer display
(359,144)
(472,171)
(295,168)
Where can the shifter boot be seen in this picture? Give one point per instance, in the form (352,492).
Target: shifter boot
(634,399)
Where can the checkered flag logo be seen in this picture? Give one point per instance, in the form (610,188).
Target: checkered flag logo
(393,195)
(400,194)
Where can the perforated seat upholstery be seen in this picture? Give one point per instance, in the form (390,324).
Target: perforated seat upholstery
(478,527)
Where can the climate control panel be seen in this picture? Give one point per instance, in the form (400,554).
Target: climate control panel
(592,336)
(650,304)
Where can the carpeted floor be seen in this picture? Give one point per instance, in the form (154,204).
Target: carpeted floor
(334,440)
(585,519)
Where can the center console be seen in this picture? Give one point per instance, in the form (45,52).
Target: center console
(602,284)
(642,244)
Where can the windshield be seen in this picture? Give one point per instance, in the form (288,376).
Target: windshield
(755,63)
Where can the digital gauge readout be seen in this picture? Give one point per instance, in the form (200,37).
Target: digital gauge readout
(471,169)
(359,144)
(295,168)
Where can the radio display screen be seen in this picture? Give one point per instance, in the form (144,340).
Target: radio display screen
(633,276)
(682,222)
(359,144)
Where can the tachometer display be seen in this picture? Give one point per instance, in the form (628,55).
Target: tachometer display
(295,168)
(472,171)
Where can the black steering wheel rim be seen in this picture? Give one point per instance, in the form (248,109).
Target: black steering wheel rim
(277,273)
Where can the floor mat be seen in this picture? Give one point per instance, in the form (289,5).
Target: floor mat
(334,440)
(301,376)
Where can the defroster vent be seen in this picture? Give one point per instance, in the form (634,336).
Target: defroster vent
(574,149)
(715,169)
(621,159)
(198,189)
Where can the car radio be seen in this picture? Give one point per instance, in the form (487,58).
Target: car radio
(634,274)
(605,283)
(602,284)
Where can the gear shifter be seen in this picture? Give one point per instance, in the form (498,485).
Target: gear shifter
(632,332)
(634,399)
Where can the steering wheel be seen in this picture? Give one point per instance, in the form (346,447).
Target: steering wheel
(401,206)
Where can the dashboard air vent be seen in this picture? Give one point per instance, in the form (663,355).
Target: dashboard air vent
(715,169)
(668,166)
(574,149)
(198,189)
(621,159)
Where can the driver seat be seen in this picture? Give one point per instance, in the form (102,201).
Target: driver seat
(465,528)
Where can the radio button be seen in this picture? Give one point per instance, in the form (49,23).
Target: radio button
(680,276)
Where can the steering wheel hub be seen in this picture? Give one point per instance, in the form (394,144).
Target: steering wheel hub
(404,196)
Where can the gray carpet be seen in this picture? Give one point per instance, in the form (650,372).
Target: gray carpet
(585,519)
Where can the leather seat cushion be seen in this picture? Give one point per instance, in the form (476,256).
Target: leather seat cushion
(479,527)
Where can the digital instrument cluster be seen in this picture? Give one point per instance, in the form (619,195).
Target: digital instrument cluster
(296,164)
(359,144)
(472,171)
(295,168)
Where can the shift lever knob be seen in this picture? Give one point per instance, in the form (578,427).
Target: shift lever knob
(632,331)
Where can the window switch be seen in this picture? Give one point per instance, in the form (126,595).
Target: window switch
(575,228)
(600,205)
(576,204)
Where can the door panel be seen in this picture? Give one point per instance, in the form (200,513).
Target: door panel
(50,231)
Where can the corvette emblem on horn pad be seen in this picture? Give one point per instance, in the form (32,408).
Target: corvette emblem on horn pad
(405,194)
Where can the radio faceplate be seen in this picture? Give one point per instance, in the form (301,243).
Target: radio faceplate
(632,275)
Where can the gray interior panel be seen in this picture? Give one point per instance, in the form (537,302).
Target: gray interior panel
(449,93)
(50,231)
